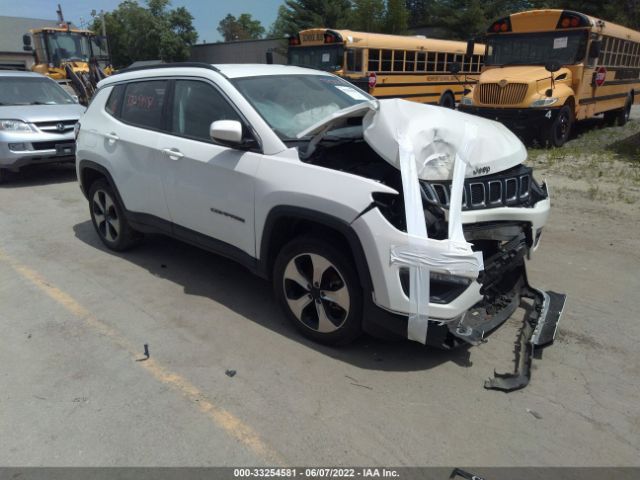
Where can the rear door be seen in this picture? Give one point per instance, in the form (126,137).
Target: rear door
(209,187)
(130,139)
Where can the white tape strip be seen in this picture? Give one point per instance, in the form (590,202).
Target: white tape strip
(422,254)
(417,228)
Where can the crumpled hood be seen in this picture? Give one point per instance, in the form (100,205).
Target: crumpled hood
(436,134)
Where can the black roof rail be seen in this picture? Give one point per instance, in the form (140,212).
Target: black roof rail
(169,65)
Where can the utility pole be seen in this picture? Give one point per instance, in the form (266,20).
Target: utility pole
(60,15)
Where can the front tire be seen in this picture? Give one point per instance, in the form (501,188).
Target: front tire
(318,288)
(558,132)
(447,101)
(107,215)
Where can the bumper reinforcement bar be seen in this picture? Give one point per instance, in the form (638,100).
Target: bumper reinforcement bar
(538,330)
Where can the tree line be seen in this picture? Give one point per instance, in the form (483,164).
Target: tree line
(453,19)
(154,31)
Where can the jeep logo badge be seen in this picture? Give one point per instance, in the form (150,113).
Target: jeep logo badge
(60,127)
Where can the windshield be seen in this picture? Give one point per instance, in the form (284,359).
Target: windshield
(67,46)
(292,103)
(323,57)
(566,47)
(31,91)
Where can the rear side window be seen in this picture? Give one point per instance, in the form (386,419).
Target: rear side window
(143,102)
(195,106)
(115,99)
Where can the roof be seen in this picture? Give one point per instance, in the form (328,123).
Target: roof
(228,70)
(405,42)
(234,70)
(608,28)
(13,28)
(19,73)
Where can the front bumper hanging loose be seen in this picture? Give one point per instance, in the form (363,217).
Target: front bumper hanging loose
(538,330)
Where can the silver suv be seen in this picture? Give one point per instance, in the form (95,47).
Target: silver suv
(37,120)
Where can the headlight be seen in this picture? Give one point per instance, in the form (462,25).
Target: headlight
(14,126)
(544,102)
(466,101)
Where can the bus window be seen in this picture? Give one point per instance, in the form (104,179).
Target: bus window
(398,61)
(324,57)
(386,61)
(354,60)
(420,63)
(409,62)
(440,62)
(477,64)
(431,62)
(374,60)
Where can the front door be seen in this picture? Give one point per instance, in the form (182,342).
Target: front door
(209,187)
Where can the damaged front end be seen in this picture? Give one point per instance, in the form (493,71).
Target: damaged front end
(466,216)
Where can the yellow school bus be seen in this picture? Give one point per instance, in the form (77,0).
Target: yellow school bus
(546,69)
(391,66)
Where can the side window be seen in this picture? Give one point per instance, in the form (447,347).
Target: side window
(354,59)
(386,61)
(115,99)
(398,60)
(421,61)
(431,62)
(196,105)
(374,60)
(143,102)
(409,61)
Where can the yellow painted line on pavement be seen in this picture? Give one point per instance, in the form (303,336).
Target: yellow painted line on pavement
(220,417)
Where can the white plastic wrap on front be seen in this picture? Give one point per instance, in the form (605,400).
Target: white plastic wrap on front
(416,151)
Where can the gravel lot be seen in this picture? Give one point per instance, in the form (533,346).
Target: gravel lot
(74,318)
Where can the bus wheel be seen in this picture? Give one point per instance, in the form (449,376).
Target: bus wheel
(447,100)
(623,115)
(620,116)
(559,130)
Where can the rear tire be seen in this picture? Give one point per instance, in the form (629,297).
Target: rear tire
(624,114)
(447,101)
(107,215)
(558,132)
(319,290)
(620,116)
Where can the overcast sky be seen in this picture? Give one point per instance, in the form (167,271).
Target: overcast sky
(206,13)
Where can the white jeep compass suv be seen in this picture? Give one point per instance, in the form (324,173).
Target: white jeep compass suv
(348,204)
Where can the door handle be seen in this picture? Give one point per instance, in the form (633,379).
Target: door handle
(173,153)
(112,137)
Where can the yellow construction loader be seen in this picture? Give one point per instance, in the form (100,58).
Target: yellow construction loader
(77,59)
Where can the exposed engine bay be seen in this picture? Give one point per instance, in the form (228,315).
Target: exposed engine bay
(504,246)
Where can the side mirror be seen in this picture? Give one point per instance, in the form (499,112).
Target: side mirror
(26,43)
(226,131)
(471,46)
(552,66)
(75,98)
(594,48)
(454,68)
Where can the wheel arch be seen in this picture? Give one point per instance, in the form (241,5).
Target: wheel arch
(571,102)
(89,172)
(283,223)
